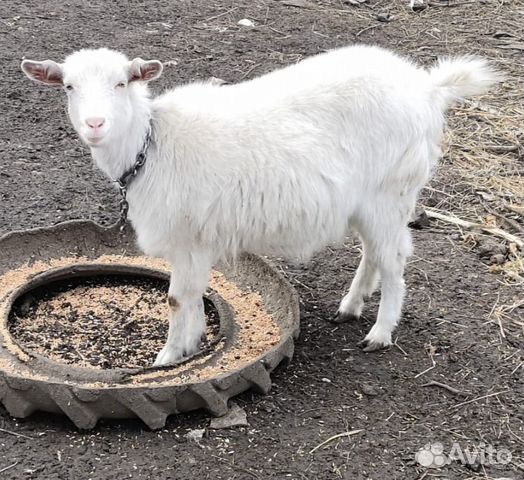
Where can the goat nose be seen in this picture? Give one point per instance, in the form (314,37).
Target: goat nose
(95,122)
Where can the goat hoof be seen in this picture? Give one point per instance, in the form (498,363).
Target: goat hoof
(341,317)
(372,346)
(168,356)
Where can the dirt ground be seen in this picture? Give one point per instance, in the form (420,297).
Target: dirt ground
(462,324)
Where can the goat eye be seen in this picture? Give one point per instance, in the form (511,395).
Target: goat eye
(120,85)
(69,87)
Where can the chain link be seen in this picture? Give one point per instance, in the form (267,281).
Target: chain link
(124,181)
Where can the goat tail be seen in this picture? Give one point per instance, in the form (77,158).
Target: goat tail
(456,78)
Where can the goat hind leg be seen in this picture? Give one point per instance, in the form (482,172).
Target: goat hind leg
(391,267)
(362,286)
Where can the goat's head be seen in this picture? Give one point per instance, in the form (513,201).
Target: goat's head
(103,89)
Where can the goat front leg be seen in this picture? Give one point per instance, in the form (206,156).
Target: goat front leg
(189,278)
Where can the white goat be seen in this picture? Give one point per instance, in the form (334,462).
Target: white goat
(282,164)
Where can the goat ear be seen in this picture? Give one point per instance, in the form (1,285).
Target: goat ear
(47,72)
(144,70)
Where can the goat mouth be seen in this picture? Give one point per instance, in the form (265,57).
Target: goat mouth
(93,140)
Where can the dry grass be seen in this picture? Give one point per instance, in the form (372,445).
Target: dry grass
(481,177)
(482,173)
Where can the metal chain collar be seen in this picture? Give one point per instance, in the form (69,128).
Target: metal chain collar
(127,177)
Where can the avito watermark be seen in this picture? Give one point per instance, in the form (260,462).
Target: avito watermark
(434,455)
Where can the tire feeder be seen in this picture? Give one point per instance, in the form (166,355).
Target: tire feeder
(32,382)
